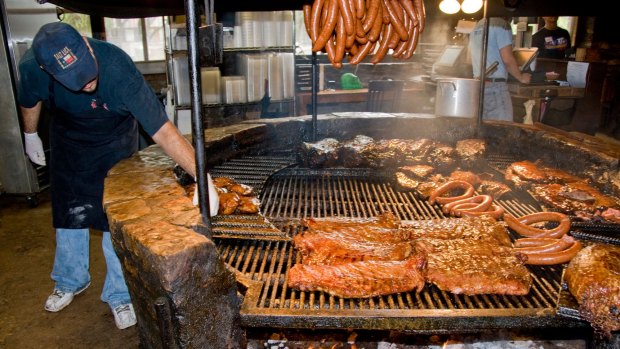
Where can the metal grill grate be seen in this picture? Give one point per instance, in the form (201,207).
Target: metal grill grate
(253,171)
(295,193)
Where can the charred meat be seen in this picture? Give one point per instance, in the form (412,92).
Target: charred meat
(339,240)
(524,173)
(443,157)
(493,188)
(384,220)
(323,153)
(421,172)
(467,176)
(463,266)
(360,279)
(593,277)
(386,153)
(483,228)
(471,152)
(573,197)
(350,153)
(326,250)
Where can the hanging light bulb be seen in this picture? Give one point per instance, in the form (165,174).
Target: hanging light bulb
(471,6)
(449,6)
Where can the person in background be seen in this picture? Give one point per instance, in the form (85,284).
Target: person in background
(552,41)
(497,102)
(96,97)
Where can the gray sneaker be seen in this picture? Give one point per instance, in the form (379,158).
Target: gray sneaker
(124,316)
(58,300)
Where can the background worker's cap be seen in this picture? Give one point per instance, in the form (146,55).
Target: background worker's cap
(61,51)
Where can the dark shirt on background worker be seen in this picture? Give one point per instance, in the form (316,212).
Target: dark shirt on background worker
(552,41)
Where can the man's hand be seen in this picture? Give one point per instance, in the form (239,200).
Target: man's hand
(34,148)
(214,199)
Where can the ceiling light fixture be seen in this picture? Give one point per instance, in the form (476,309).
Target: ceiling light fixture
(449,6)
(471,6)
(453,6)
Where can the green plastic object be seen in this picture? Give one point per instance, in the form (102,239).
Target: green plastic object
(349,81)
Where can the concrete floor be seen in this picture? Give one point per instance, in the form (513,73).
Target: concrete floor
(27,243)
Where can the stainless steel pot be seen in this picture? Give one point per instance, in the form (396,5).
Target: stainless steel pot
(457,97)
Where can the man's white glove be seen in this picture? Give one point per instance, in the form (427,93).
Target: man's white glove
(34,148)
(214,199)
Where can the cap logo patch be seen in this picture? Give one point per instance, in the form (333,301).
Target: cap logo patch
(65,57)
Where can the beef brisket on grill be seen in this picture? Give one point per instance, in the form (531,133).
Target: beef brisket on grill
(523,173)
(483,228)
(405,182)
(470,267)
(360,279)
(370,232)
(416,151)
(409,177)
(350,152)
(323,153)
(593,277)
(572,197)
(467,176)
(469,255)
(443,157)
(385,153)
(426,188)
(493,188)
(328,250)
(420,172)
(340,240)
(384,220)
(471,152)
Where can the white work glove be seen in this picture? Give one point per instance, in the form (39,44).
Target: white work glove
(214,199)
(34,148)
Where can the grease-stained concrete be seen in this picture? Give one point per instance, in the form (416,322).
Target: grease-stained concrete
(27,245)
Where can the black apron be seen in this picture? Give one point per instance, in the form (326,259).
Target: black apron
(83,148)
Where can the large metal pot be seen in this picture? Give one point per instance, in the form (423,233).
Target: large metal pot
(457,97)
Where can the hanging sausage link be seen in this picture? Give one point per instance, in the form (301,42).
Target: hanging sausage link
(356,28)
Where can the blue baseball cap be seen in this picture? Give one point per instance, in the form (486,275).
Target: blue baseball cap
(61,51)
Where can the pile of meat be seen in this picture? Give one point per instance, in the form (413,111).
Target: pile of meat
(593,277)
(235,198)
(420,165)
(359,258)
(357,28)
(562,191)
(364,151)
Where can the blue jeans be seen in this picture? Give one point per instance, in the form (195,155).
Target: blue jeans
(497,102)
(71,266)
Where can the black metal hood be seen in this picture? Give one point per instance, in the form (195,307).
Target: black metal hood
(150,8)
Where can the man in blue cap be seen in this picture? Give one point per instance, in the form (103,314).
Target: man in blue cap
(97,97)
